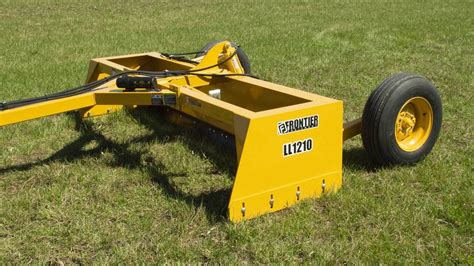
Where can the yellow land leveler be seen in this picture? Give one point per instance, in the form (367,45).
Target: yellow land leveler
(289,142)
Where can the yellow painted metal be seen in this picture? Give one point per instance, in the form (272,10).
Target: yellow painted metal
(268,181)
(288,142)
(97,110)
(43,109)
(85,101)
(233,65)
(100,68)
(143,98)
(414,123)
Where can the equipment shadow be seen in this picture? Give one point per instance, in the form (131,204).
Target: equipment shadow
(213,145)
(357,158)
(222,156)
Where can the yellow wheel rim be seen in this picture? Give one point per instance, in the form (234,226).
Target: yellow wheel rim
(414,123)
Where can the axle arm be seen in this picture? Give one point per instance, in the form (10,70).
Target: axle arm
(352,128)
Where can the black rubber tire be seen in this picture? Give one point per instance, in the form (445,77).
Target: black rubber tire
(380,114)
(243,58)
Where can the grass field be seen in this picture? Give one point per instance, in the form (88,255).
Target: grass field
(125,188)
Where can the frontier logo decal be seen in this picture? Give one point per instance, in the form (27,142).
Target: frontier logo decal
(297,124)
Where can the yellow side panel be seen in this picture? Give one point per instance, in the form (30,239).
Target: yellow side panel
(267,180)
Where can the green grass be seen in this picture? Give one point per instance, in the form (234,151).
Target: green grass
(126,188)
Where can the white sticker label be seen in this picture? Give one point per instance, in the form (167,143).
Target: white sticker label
(297,124)
(299,146)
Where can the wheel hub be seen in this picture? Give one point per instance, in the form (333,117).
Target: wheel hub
(406,123)
(413,124)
